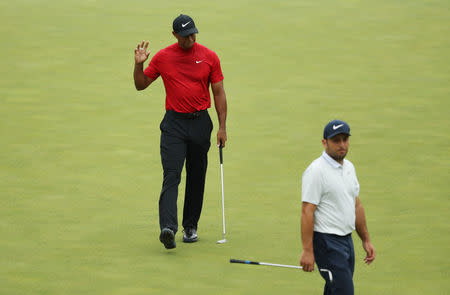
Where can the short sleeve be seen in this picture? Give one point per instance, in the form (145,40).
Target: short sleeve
(357,188)
(311,186)
(152,71)
(216,71)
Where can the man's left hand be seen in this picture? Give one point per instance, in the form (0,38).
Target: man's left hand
(221,137)
(370,250)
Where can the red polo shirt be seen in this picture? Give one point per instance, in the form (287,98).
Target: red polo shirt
(186,75)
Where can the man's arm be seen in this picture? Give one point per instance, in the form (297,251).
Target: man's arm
(363,232)
(220,103)
(141,81)
(307,229)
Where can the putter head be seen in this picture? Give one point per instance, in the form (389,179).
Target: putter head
(330,275)
(221,241)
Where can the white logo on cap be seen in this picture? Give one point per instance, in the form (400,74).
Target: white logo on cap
(338,126)
(183,25)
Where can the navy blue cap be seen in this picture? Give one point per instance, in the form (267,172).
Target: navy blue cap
(184,25)
(335,127)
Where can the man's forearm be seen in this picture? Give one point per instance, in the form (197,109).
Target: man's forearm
(221,109)
(220,103)
(222,116)
(360,223)
(307,228)
(141,81)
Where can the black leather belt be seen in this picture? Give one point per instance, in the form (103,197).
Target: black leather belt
(187,115)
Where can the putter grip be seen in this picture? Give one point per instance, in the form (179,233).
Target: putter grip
(220,152)
(242,261)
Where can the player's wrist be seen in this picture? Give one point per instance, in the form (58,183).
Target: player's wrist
(308,249)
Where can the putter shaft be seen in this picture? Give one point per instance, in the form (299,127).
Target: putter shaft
(330,275)
(223,198)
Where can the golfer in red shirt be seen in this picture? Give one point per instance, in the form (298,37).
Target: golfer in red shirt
(187,70)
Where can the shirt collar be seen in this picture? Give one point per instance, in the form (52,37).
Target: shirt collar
(331,161)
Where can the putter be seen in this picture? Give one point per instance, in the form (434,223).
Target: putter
(223,200)
(330,275)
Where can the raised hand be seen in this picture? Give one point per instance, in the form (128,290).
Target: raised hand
(140,53)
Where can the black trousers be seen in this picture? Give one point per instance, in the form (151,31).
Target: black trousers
(337,254)
(184,137)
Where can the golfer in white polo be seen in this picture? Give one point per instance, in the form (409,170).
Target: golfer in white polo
(331,210)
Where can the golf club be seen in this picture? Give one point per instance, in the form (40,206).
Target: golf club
(330,275)
(223,200)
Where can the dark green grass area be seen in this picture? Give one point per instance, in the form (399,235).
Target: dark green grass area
(80,171)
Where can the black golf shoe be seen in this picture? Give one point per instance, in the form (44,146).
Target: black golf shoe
(190,235)
(167,237)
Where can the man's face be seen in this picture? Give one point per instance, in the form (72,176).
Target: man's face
(185,42)
(337,146)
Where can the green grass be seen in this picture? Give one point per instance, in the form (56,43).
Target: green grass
(80,171)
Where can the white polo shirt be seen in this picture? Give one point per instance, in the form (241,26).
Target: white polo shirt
(333,188)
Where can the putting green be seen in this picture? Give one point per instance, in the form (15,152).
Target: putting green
(80,169)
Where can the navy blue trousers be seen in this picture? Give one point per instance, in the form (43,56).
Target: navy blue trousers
(337,254)
(183,139)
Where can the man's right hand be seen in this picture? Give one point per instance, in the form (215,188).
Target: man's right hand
(307,260)
(140,53)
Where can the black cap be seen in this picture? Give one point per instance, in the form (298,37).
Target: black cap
(184,25)
(335,127)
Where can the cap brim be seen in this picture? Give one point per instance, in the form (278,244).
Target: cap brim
(338,132)
(188,32)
